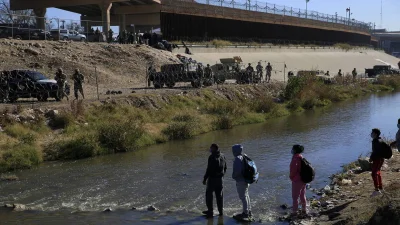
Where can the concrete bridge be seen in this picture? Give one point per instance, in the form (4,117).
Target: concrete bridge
(205,19)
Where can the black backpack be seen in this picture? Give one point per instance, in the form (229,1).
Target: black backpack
(307,172)
(250,172)
(386,150)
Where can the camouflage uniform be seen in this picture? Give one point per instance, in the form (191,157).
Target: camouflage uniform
(150,75)
(61,78)
(354,72)
(110,35)
(259,69)
(208,72)
(269,72)
(78,83)
(340,73)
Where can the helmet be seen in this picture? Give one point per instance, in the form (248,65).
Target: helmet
(208,64)
(60,70)
(249,64)
(77,70)
(259,63)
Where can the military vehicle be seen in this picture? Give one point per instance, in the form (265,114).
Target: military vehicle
(233,69)
(171,74)
(381,70)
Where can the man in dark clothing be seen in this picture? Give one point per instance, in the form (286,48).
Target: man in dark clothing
(377,161)
(213,178)
(398,64)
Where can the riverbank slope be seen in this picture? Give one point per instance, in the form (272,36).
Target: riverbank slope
(127,123)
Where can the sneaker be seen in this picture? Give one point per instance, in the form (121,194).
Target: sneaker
(243,216)
(376,193)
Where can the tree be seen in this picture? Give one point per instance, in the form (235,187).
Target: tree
(17,17)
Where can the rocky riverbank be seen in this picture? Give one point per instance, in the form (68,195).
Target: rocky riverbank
(346,200)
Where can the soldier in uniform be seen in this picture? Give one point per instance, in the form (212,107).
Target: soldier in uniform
(110,35)
(208,72)
(340,73)
(199,70)
(61,79)
(78,83)
(151,72)
(327,73)
(269,72)
(250,69)
(354,73)
(259,71)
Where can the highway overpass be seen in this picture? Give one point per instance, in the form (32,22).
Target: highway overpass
(207,19)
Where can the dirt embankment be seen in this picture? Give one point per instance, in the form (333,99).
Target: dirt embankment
(117,66)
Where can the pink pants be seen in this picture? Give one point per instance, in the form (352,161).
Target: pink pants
(299,191)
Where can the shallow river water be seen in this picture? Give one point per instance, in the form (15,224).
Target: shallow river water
(169,176)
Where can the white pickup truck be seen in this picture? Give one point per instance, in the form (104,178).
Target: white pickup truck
(66,35)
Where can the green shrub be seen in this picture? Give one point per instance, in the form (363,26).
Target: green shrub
(120,136)
(180,130)
(389,81)
(220,43)
(293,88)
(21,156)
(185,117)
(22,133)
(62,121)
(223,122)
(262,105)
(81,147)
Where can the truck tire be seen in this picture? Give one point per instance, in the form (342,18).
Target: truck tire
(83,39)
(158,85)
(42,97)
(65,38)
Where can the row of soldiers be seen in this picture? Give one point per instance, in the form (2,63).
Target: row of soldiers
(126,37)
(61,79)
(260,72)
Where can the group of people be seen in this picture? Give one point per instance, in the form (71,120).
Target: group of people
(340,73)
(260,72)
(61,80)
(217,167)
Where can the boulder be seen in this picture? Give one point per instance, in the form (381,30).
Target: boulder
(107,210)
(346,182)
(19,207)
(52,113)
(284,206)
(37,45)
(152,208)
(365,164)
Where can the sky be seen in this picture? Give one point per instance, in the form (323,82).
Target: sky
(363,10)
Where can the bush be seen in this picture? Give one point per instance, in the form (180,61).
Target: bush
(82,147)
(223,122)
(23,134)
(21,156)
(62,121)
(120,137)
(180,130)
(220,43)
(262,105)
(185,117)
(390,81)
(343,46)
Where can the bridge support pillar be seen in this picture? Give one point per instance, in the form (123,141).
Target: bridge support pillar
(40,20)
(122,22)
(105,7)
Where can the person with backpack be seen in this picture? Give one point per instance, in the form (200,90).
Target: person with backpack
(214,179)
(396,143)
(298,186)
(242,186)
(377,160)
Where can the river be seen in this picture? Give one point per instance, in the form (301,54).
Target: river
(169,175)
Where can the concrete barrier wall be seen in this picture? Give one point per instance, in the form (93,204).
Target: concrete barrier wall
(297,59)
(182,27)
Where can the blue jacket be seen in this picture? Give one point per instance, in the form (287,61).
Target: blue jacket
(237,174)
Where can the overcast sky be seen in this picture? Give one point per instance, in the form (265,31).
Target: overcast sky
(363,10)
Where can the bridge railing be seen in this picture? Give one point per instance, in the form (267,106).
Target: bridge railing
(285,11)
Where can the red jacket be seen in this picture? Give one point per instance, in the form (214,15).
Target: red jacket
(295,167)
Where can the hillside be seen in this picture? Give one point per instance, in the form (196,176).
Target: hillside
(118,66)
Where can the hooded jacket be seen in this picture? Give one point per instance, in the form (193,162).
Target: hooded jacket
(216,167)
(238,168)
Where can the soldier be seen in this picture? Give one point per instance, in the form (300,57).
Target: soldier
(398,64)
(208,72)
(354,73)
(78,83)
(110,35)
(250,69)
(61,79)
(259,71)
(150,74)
(269,72)
(199,70)
(340,73)
(124,36)
(327,73)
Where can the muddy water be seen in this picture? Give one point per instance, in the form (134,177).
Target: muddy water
(169,176)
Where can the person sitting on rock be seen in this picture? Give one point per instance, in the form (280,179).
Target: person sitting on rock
(377,161)
(298,186)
